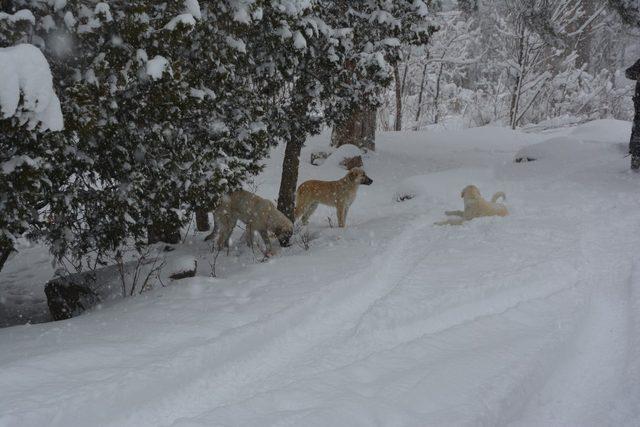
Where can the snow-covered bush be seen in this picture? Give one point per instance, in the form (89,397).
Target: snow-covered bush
(29,112)
(162,115)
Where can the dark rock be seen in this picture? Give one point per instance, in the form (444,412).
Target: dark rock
(187,269)
(524,159)
(318,157)
(401,197)
(352,162)
(69,296)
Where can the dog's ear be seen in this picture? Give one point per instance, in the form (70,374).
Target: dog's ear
(462,193)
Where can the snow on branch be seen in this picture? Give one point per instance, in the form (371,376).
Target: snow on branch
(21,15)
(26,88)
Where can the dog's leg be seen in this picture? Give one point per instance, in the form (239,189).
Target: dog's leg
(249,236)
(226,228)
(346,212)
(454,213)
(267,241)
(308,212)
(214,232)
(342,213)
(300,207)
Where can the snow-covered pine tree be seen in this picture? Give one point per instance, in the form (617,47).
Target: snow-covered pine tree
(381,29)
(164,112)
(29,116)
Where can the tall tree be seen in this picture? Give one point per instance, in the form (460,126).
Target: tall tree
(629,10)
(336,73)
(633,73)
(381,28)
(30,116)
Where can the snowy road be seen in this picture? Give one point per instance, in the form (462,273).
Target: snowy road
(532,319)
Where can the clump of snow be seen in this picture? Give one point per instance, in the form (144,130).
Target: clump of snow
(141,56)
(25,72)
(193,7)
(241,14)
(69,20)
(21,15)
(185,19)
(48,23)
(157,66)
(59,4)
(299,42)
(236,44)
(103,8)
(16,161)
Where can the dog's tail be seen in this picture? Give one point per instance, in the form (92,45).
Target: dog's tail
(498,195)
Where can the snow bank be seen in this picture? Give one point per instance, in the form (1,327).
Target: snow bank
(343,152)
(603,131)
(25,72)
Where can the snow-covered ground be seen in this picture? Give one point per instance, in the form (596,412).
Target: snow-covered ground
(532,319)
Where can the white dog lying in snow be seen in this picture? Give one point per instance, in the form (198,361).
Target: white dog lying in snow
(475,206)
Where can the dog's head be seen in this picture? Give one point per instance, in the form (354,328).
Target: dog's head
(359,176)
(282,228)
(470,192)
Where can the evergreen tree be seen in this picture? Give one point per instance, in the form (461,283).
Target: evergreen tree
(164,113)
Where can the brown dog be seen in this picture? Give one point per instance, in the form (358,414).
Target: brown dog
(339,194)
(258,214)
(475,206)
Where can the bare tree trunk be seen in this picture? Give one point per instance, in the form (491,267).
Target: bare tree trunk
(515,96)
(634,142)
(289,180)
(583,48)
(436,99)
(359,129)
(202,219)
(396,74)
(633,73)
(421,93)
(6,247)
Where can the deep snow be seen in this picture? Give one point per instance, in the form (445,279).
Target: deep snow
(532,319)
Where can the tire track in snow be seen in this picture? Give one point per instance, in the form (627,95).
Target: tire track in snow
(586,384)
(405,256)
(256,351)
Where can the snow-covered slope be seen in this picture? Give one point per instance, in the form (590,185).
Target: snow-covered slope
(532,319)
